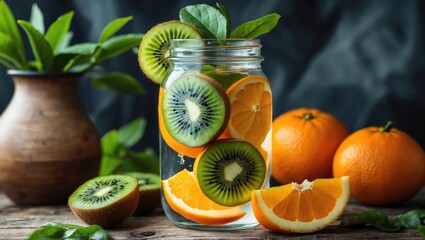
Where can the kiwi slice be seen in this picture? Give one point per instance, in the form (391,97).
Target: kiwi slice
(149,189)
(106,201)
(228,170)
(154,48)
(195,110)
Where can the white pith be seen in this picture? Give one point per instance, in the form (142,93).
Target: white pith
(102,192)
(192,109)
(231,171)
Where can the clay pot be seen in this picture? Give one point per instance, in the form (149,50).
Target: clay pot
(48,144)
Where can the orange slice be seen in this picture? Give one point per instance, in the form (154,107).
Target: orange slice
(251,108)
(169,140)
(301,208)
(184,196)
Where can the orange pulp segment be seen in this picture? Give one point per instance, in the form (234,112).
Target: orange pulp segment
(301,208)
(251,108)
(184,196)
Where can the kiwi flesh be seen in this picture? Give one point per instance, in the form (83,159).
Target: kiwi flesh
(155,45)
(195,110)
(106,200)
(149,192)
(228,170)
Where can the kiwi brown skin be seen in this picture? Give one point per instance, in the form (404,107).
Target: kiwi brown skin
(111,215)
(149,200)
(149,194)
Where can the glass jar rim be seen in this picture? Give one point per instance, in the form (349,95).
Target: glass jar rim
(205,43)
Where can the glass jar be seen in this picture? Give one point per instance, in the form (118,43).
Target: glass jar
(215,117)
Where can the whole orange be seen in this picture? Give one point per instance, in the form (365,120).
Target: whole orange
(304,143)
(386,166)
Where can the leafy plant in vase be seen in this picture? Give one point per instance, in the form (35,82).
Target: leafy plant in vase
(48,144)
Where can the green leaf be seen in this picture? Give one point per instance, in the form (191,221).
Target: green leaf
(118,82)
(6,63)
(84,56)
(226,14)
(113,27)
(66,40)
(109,165)
(61,62)
(7,51)
(257,27)
(131,133)
(146,161)
(58,30)
(58,231)
(119,44)
(372,217)
(225,79)
(111,151)
(410,220)
(9,27)
(110,144)
(40,47)
(37,18)
(81,49)
(205,18)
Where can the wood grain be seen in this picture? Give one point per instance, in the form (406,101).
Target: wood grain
(17,222)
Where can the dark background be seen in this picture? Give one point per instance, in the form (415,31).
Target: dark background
(363,61)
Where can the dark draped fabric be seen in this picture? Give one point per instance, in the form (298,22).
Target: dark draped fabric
(363,61)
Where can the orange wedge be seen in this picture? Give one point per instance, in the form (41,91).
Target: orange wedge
(301,208)
(184,196)
(251,104)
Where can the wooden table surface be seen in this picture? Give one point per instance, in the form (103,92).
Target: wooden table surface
(17,222)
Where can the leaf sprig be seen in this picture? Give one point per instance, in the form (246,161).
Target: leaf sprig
(215,23)
(414,219)
(55,230)
(54,53)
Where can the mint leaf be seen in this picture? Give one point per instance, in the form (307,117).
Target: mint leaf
(131,133)
(40,47)
(223,78)
(55,230)
(206,19)
(257,27)
(410,220)
(118,82)
(58,30)
(226,14)
(113,27)
(375,218)
(37,18)
(9,27)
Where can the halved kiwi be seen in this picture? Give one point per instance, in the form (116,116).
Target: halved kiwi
(228,170)
(149,189)
(106,201)
(195,110)
(154,48)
